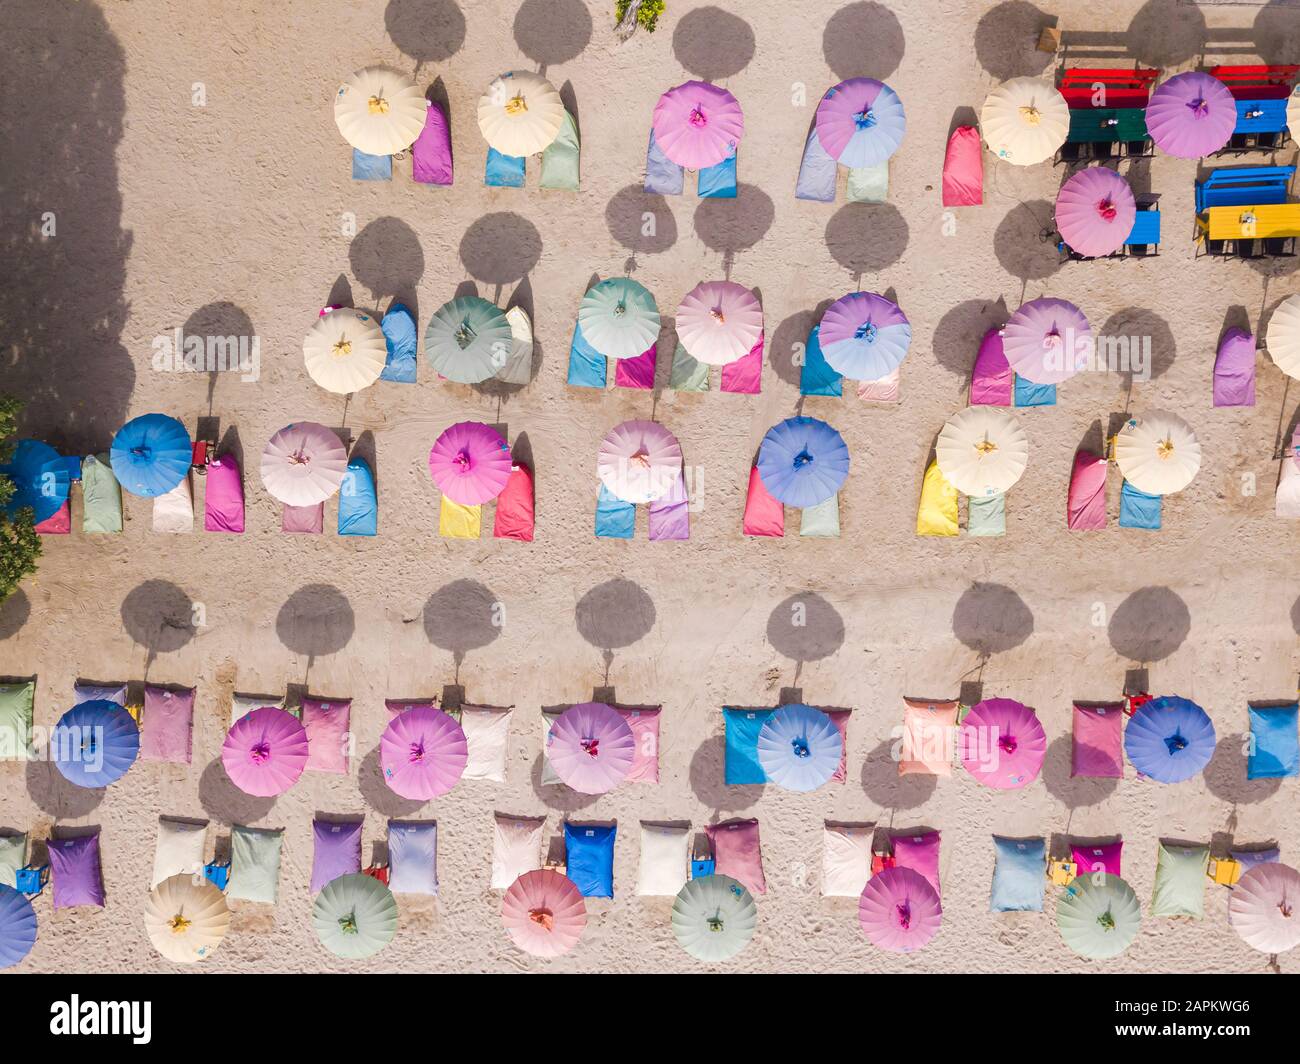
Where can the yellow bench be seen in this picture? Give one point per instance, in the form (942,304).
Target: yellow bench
(1260,222)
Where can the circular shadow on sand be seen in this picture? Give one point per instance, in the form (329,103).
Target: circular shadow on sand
(641,221)
(731,225)
(866,237)
(713,44)
(219,320)
(615,614)
(463,616)
(1006,41)
(1149,625)
(708,775)
(1166,33)
(1225,775)
(159,616)
(1023,241)
(1295,616)
(500,248)
(428,31)
(14,613)
(225,802)
(315,620)
(884,786)
(863,40)
(52,792)
(1138,342)
(1277,32)
(805,627)
(557,795)
(960,331)
(991,619)
(1074,792)
(550,32)
(386,258)
(377,794)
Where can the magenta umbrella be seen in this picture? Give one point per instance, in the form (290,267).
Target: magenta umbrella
(544,913)
(899,910)
(1191,115)
(1047,341)
(1095,211)
(265,752)
(1003,744)
(698,124)
(590,747)
(470,463)
(423,753)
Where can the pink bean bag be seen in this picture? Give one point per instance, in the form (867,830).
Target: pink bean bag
(963,169)
(1098,740)
(223,496)
(736,853)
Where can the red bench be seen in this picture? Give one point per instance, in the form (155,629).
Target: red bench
(1257,82)
(1122,88)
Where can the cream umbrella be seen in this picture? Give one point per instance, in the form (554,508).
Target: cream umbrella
(186,918)
(345,351)
(1024,121)
(520,114)
(1158,453)
(380,111)
(982,451)
(303,464)
(1265,908)
(1283,336)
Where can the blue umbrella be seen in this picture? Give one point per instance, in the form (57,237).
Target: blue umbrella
(95,743)
(151,454)
(17,926)
(803,461)
(40,478)
(799,747)
(1169,739)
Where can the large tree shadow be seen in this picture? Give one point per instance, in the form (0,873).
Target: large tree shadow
(14,613)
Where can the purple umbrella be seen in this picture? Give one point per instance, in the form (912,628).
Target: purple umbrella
(1191,115)
(860,122)
(265,752)
(1003,744)
(864,336)
(590,746)
(899,910)
(1095,211)
(1047,341)
(470,463)
(423,753)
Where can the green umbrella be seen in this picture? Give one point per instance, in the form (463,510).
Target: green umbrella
(468,340)
(714,917)
(355,916)
(618,318)
(1098,915)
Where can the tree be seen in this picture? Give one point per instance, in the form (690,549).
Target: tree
(629,14)
(20,545)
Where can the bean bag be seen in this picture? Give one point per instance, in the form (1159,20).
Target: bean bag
(663,177)
(173,511)
(884,390)
(920,853)
(431,162)
(1137,509)
(669,516)
(254,864)
(516,848)
(846,859)
(736,853)
(16,720)
(817,172)
(75,871)
(456,521)
(358,501)
(664,859)
(561,159)
(303,520)
(329,735)
(816,377)
(401,336)
(179,850)
(615,519)
(90,692)
(741,766)
(101,496)
(1101,858)
(223,496)
(1180,881)
(367,167)
(745,375)
(1026,393)
(991,379)
(987,515)
(1274,746)
(504,171)
(1085,508)
(487,730)
(638,372)
(589,858)
(927,737)
(337,851)
(688,375)
(764,515)
(644,722)
(868,184)
(13,856)
(821,521)
(1286,502)
(242,705)
(412,858)
(58,523)
(518,366)
(167,725)
(1098,748)
(1018,875)
(937,513)
(1234,370)
(717,181)
(586,365)
(963,169)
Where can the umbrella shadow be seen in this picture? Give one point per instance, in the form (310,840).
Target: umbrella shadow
(463,616)
(55,795)
(640,221)
(223,801)
(15,611)
(866,238)
(614,615)
(713,44)
(500,249)
(883,785)
(863,40)
(1149,625)
(991,619)
(1225,775)
(1025,242)
(158,616)
(228,337)
(730,226)
(708,779)
(314,622)
(805,627)
(1277,32)
(377,794)
(428,31)
(957,337)
(1166,33)
(551,32)
(1005,40)
(387,260)
(1138,342)
(1074,792)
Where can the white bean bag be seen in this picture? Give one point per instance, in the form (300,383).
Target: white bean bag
(664,859)
(179,851)
(174,511)
(516,848)
(242,705)
(487,729)
(846,859)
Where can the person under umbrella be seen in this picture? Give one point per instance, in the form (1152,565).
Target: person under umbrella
(803,461)
(468,340)
(1191,115)
(982,451)
(345,351)
(1095,210)
(95,743)
(423,752)
(799,747)
(590,747)
(303,464)
(470,463)
(1003,743)
(719,322)
(714,918)
(864,336)
(698,124)
(186,918)
(355,916)
(1282,338)
(1158,453)
(860,122)
(543,913)
(17,926)
(639,461)
(1098,916)
(151,454)
(899,910)
(1264,908)
(265,752)
(619,318)
(379,111)
(520,114)
(1169,739)
(40,479)
(1047,341)
(1024,121)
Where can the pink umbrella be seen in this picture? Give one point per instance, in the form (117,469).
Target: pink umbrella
(590,747)
(860,122)
(303,464)
(1095,211)
(639,461)
(1047,341)
(423,752)
(1191,115)
(698,124)
(265,752)
(1265,908)
(899,910)
(719,322)
(1003,744)
(470,463)
(544,913)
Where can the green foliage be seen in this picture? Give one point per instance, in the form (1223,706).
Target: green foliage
(647,13)
(20,545)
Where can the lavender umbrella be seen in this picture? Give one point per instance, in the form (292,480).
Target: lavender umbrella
(698,125)
(1169,739)
(1047,341)
(1095,211)
(1191,115)
(265,752)
(590,747)
(95,743)
(799,747)
(899,910)
(860,122)
(470,463)
(1003,744)
(17,926)
(803,461)
(423,753)
(864,336)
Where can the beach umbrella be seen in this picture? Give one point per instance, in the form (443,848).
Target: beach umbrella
(639,461)
(619,318)
(860,122)
(803,461)
(423,753)
(698,124)
(468,340)
(1003,744)
(345,351)
(520,114)
(265,752)
(1264,908)
(17,926)
(1158,452)
(1282,338)
(1095,211)
(590,747)
(303,464)
(982,451)
(719,322)
(1047,341)
(40,479)
(864,336)
(544,913)
(151,454)
(470,463)
(355,916)
(94,743)
(1191,115)
(186,918)
(1169,739)
(379,111)
(799,747)
(714,918)
(1098,915)
(1024,121)
(899,910)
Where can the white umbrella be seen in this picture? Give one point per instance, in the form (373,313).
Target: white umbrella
(719,322)
(186,918)
(380,111)
(345,351)
(1024,121)
(1158,453)
(639,461)
(303,464)
(1283,336)
(982,451)
(520,114)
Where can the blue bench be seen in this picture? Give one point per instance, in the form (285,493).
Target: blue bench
(1146,228)
(1260,116)
(1244,187)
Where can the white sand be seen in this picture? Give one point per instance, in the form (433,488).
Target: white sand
(164,207)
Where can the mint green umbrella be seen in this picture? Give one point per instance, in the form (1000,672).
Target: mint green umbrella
(714,918)
(355,916)
(619,318)
(468,340)
(1098,915)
